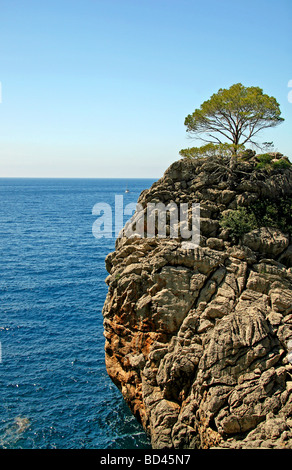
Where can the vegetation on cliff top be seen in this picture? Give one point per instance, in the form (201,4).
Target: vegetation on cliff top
(237,114)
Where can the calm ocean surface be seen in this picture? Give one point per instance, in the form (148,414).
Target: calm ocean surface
(55,392)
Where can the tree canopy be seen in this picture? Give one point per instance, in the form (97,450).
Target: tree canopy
(236,114)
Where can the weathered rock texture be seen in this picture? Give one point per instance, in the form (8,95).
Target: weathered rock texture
(197,340)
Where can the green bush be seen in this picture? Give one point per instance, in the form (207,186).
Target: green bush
(211,150)
(265,162)
(262,213)
(281,164)
(271,213)
(238,222)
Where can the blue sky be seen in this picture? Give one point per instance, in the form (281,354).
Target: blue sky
(101,88)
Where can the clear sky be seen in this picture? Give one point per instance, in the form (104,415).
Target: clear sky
(101,88)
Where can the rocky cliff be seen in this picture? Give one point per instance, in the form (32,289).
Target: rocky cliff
(197,340)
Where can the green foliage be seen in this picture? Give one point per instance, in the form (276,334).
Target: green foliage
(210,150)
(266,162)
(271,213)
(193,152)
(238,222)
(281,164)
(236,114)
(262,213)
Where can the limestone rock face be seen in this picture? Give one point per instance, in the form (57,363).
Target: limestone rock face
(197,340)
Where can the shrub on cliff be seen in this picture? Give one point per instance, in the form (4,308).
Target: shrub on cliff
(268,162)
(261,213)
(271,213)
(210,150)
(238,222)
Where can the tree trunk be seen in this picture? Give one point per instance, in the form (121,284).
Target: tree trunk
(233,162)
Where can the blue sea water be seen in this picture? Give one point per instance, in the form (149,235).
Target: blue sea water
(55,392)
